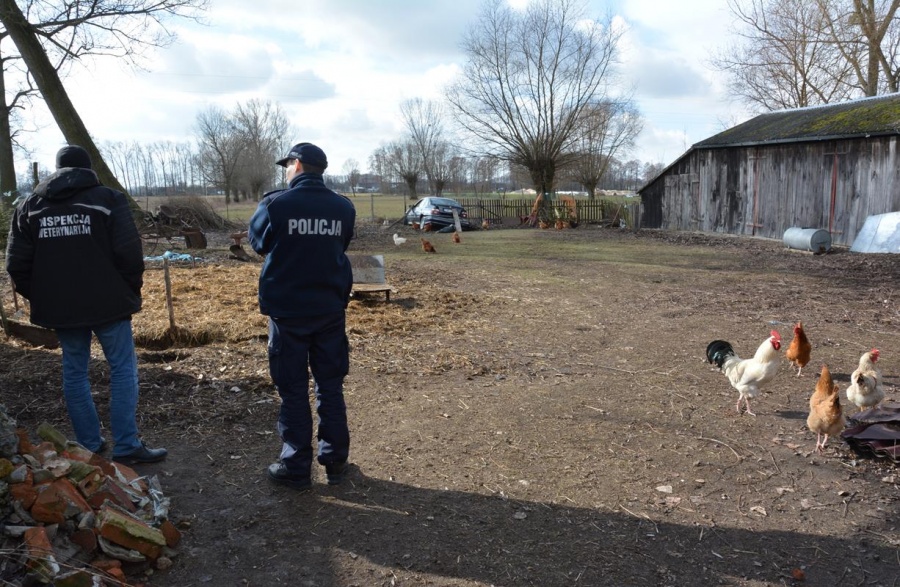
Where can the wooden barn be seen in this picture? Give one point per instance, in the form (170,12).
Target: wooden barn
(825,167)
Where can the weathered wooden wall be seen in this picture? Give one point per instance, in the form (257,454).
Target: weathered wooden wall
(763,191)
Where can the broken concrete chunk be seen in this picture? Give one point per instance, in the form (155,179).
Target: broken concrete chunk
(47,432)
(79,578)
(58,466)
(58,502)
(78,471)
(76,452)
(9,440)
(19,475)
(6,467)
(40,554)
(120,527)
(119,552)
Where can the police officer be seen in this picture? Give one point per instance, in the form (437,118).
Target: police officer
(304,288)
(75,253)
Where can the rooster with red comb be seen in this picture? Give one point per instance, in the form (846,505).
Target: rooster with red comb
(747,375)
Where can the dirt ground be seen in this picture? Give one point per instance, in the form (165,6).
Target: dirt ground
(546,419)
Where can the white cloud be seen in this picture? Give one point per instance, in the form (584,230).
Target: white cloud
(665,52)
(341,69)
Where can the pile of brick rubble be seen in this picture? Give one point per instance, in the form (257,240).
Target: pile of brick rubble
(71,518)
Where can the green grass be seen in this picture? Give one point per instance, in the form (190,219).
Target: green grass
(526,247)
(380,206)
(368,206)
(388,207)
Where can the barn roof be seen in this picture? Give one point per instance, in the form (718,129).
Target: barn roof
(875,116)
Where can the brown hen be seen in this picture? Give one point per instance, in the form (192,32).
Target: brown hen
(826,418)
(799,349)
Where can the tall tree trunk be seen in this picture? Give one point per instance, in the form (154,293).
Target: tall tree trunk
(7,163)
(54,93)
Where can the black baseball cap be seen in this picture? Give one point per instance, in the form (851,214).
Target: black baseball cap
(307,153)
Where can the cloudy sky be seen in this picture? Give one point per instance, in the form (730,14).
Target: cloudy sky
(340,70)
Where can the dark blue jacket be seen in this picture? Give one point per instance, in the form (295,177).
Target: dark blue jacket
(75,252)
(304,232)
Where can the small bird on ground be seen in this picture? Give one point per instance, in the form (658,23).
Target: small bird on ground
(826,418)
(428,247)
(456,238)
(866,389)
(398,240)
(799,349)
(485,225)
(747,375)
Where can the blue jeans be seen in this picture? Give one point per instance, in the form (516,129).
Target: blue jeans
(118,347)
(296,347)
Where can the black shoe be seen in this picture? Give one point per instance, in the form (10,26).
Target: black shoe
(144,454)
(279,474)
(336,472)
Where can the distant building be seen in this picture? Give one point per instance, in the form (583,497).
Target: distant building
(826,167)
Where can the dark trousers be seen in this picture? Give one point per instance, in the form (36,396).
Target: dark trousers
(297,346)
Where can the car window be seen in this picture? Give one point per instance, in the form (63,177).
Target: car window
(444,202)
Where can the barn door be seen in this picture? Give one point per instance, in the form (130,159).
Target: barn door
(837,193)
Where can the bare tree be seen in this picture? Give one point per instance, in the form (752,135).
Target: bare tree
(261,126)
(444,161)
(529,76)
(404,160)
(484,174)
(794,53)
(379,165)
(866,32)
(12,101)
(424,120)
(651,170)
(220,149)
(608,129)
(351,172)
(73,29)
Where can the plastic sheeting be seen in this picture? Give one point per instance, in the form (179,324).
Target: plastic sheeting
(173,257)
(880,234)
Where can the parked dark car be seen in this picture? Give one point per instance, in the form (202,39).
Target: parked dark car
(436,211)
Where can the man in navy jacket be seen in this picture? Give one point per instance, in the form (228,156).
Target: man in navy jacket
(304,288)
(75,254)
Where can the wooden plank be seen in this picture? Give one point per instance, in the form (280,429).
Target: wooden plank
(367,288)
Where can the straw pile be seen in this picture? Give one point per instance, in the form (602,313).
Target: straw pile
(212,303)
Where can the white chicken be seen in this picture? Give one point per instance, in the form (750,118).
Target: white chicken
(865,388)
(398,240)
(747,375)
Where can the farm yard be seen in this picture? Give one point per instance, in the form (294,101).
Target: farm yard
(530,408)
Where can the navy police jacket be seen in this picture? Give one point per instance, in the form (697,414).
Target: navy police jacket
(75,253)
(304,232)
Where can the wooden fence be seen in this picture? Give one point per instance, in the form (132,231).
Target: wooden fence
(512,211)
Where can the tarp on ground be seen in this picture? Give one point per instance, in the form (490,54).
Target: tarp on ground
(880,234)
